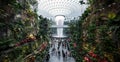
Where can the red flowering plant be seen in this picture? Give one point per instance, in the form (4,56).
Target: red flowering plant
(74,45)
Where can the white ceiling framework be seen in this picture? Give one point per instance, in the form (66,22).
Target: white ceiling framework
(68,8)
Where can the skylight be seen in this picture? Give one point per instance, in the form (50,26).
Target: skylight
(68,8)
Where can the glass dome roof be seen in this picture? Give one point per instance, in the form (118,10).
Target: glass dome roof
(68,8)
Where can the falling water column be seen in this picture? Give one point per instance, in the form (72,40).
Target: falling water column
(59,22)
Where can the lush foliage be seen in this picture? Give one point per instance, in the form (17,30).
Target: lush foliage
(96,34)
(21,30)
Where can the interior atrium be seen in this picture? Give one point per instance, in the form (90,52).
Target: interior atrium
(59,30)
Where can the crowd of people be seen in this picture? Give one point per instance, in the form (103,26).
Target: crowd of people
(59,50)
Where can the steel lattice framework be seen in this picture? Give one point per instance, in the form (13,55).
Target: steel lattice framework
(69,8)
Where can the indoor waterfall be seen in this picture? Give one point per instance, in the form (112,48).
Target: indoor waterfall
(59,50)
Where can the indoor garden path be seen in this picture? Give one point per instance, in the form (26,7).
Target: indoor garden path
(59,30)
